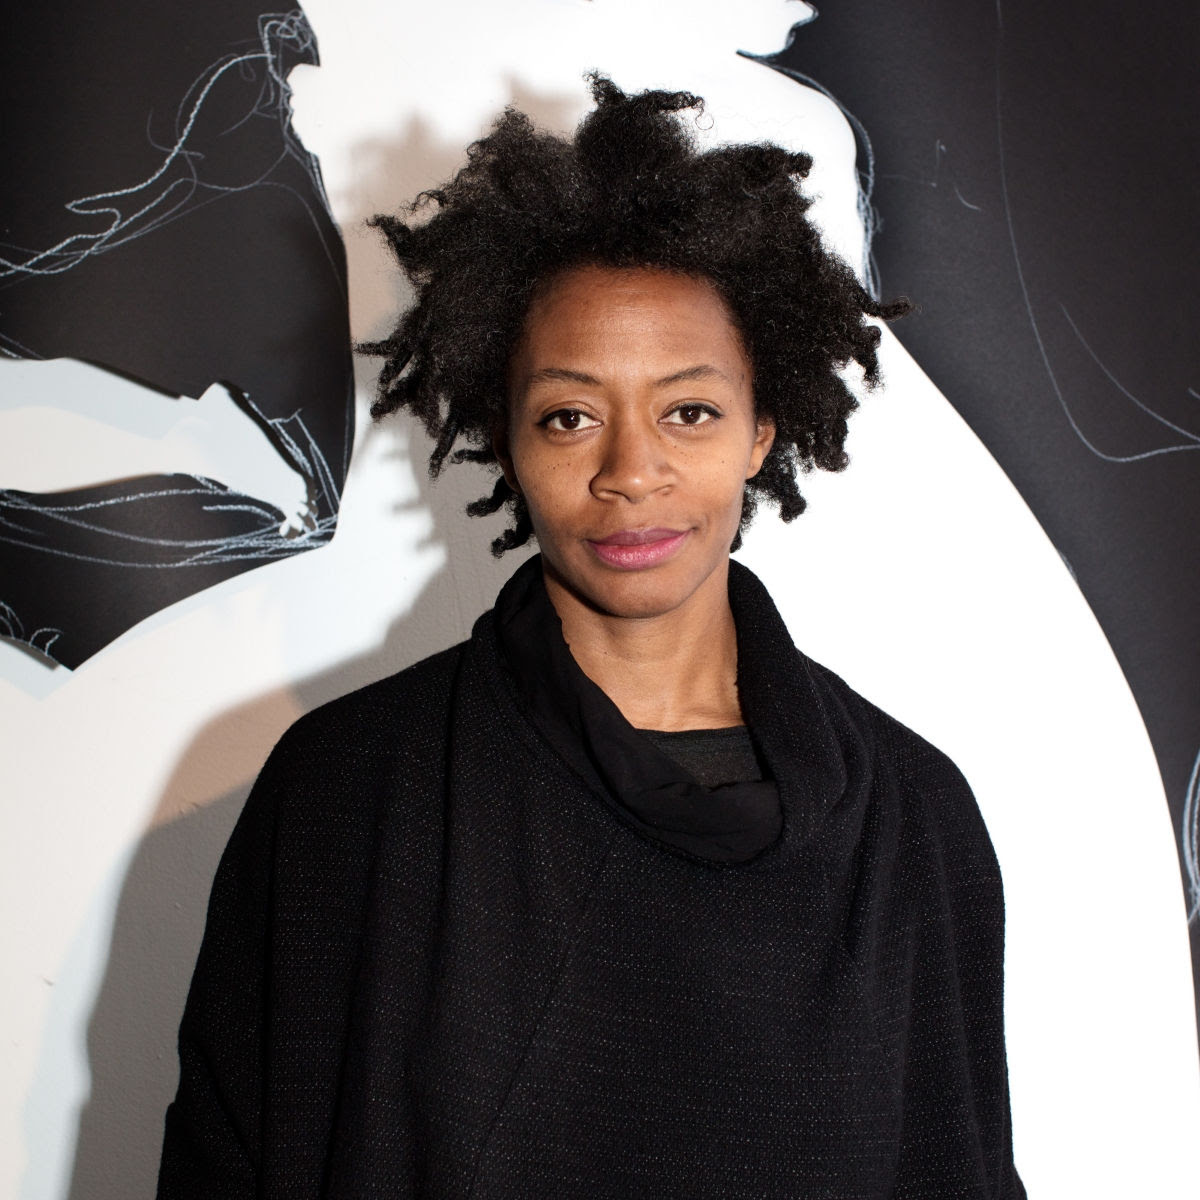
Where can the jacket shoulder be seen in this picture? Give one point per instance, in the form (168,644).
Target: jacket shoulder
(399,717)
(920,769)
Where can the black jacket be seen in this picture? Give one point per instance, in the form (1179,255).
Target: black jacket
(439,963)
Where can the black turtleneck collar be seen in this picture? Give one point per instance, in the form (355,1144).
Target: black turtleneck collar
(727,824)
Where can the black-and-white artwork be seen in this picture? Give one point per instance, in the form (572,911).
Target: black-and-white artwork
(172,311)
(174,411)
(1043,165)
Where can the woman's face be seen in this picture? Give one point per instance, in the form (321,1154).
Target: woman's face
(631,434)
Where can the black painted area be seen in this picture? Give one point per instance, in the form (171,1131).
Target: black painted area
(215,259)
(1037,182)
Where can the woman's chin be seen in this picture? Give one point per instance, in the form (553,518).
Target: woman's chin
(640,593)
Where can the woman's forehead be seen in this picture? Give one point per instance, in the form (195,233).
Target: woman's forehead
(602,321)
(598,312)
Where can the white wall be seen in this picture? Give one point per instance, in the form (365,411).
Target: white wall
(919,575)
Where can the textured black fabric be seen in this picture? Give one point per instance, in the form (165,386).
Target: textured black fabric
(730,822)
(711,756)
(439,964)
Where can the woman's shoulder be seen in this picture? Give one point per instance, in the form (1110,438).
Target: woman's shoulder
(918,766)
(864,731)
(401,716)
(938,831)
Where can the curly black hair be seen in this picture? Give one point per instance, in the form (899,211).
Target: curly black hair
(630,190)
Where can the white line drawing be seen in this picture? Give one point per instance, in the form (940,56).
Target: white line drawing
(1191,841)
(11,627)
(940,152)
(120,429)
(178,185)
(1191,441)
(24,518)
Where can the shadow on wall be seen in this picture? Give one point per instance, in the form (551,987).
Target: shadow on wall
(159,918)
(130,1042)
(160,915)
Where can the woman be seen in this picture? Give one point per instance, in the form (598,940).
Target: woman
(624,896)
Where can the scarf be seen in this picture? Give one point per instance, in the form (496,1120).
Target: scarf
(645,787)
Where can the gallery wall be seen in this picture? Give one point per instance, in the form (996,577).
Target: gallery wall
(230,599)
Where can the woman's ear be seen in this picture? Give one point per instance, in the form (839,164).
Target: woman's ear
(764,439)
(503,455)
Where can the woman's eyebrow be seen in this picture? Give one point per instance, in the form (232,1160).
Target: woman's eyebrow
(690,374)
(566,375)
(561,375)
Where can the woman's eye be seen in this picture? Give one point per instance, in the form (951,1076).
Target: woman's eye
(567,420)
(691,414)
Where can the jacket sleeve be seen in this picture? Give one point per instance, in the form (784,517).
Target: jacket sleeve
(957,1133)
(212,1134)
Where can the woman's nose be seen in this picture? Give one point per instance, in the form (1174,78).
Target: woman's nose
(633,462)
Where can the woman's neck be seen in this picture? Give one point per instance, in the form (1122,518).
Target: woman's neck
(673,671)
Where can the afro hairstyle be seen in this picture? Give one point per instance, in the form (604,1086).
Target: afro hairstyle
(631,189)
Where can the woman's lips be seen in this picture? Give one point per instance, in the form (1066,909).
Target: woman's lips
(635,549)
